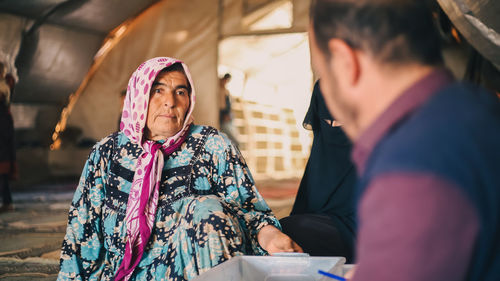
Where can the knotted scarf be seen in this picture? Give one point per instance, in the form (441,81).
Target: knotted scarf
(143,197)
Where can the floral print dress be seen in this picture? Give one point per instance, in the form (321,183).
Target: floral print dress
(208,211)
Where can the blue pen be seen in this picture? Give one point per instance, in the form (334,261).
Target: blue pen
(336,277)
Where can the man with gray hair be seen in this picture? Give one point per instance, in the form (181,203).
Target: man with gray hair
(425,147)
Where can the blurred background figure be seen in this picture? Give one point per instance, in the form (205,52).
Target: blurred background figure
(8,169)
(225,114)
(4,85)
(322,220)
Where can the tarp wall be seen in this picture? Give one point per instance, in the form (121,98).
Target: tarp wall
(10,38)
(187,30)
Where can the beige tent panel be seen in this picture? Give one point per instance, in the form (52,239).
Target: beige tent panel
(11,28)
(190,31)
(186,30)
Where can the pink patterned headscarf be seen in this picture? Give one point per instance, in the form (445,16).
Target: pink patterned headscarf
(143,197)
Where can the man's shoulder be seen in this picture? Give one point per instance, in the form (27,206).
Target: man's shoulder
(450,133)
(459,114)
(462,95)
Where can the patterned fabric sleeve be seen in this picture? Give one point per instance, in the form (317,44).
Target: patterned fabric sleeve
(82,249)
(236,185)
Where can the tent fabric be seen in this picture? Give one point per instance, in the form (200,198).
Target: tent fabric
(10,38)
(191,33)
(53,42)
(478,22)
(188,33)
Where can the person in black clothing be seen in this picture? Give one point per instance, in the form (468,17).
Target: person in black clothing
(322,220)
(8,168)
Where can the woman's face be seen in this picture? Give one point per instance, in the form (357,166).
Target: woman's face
(168,103)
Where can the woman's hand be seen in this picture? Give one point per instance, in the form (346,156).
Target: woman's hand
(274,241)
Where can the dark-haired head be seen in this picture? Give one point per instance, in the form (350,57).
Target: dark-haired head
(392,31)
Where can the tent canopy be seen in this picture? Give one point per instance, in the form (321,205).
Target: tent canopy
(55,42)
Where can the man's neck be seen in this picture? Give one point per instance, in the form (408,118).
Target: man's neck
(386,86)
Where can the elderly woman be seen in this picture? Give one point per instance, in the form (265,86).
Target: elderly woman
(164,199)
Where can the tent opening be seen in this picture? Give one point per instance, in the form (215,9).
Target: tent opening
(270,89)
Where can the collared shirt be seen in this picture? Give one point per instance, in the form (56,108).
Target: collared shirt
(411,225)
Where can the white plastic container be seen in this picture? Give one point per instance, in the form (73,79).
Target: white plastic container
(274,268)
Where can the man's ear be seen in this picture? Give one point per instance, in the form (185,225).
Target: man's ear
(345,62)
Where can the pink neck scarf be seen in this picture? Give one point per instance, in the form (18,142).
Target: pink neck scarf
(143,197)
